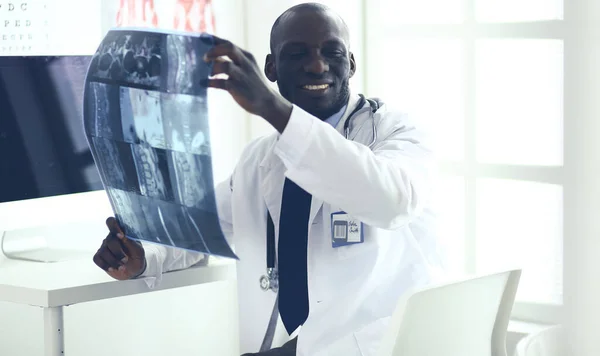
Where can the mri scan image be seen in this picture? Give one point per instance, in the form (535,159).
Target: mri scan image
(103,103)
(141,111)
(129,58)
(152,172)
(147,125)
(186,129)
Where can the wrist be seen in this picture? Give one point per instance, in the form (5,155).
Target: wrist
(142,270)
(277,111)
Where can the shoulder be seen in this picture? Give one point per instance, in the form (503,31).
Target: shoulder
(389,114)
(392,119)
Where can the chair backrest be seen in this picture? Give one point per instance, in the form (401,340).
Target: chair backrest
(547,342)
(468,317)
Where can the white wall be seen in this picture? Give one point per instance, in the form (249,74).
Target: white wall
(582,188)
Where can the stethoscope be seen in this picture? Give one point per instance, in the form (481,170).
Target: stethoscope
(375,105)
(270,281)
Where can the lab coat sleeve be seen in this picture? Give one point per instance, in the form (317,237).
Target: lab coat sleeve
(384,186)
(161,259)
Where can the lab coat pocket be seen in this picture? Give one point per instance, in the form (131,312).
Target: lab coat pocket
(369,337)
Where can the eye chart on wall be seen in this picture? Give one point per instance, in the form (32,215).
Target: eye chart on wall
(46,27)
(146,120)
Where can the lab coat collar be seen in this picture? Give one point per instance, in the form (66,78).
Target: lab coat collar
(334,119)
(352,102)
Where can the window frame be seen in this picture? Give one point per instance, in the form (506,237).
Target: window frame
(469,168)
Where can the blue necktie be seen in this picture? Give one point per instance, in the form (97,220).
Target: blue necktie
(292,255)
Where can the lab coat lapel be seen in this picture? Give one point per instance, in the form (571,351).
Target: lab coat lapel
(272,178)
(315,206)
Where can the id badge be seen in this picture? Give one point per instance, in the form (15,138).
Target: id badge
(345,230)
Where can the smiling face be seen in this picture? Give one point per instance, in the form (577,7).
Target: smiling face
(310,61)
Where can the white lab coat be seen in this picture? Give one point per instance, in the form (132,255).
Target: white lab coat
(352,289)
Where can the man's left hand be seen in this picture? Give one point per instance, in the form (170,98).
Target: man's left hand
(246,83)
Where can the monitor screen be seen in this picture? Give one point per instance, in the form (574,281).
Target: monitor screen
(43,148)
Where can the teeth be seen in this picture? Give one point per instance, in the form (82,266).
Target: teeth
(316,87)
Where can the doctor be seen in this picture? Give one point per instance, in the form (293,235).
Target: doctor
(331,213)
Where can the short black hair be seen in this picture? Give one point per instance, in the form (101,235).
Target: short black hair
(307,6)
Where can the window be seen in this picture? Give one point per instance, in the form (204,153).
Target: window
(485,77)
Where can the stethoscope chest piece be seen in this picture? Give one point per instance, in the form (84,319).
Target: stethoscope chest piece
(270,280)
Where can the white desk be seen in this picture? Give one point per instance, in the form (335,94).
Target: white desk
(54,285)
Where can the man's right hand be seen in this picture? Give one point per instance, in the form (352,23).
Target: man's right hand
(119,256)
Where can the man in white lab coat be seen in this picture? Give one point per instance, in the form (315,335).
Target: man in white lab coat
(346,182)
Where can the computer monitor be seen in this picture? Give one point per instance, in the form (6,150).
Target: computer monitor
(52,203)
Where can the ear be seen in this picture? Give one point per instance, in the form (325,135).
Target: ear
(270,70)
(352,65)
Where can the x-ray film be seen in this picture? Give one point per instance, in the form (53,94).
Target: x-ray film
(146,120)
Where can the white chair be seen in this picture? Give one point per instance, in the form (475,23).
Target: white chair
(465,318)
(548,342)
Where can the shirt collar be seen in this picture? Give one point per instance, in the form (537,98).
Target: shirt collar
(334,119)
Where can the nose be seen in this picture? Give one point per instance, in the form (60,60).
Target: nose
(316,64)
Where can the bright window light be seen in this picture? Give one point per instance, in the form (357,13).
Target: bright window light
(425,79)
(519,93)
(419,11)
(519,225)
(494,106)
(518,10)
(450,197)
